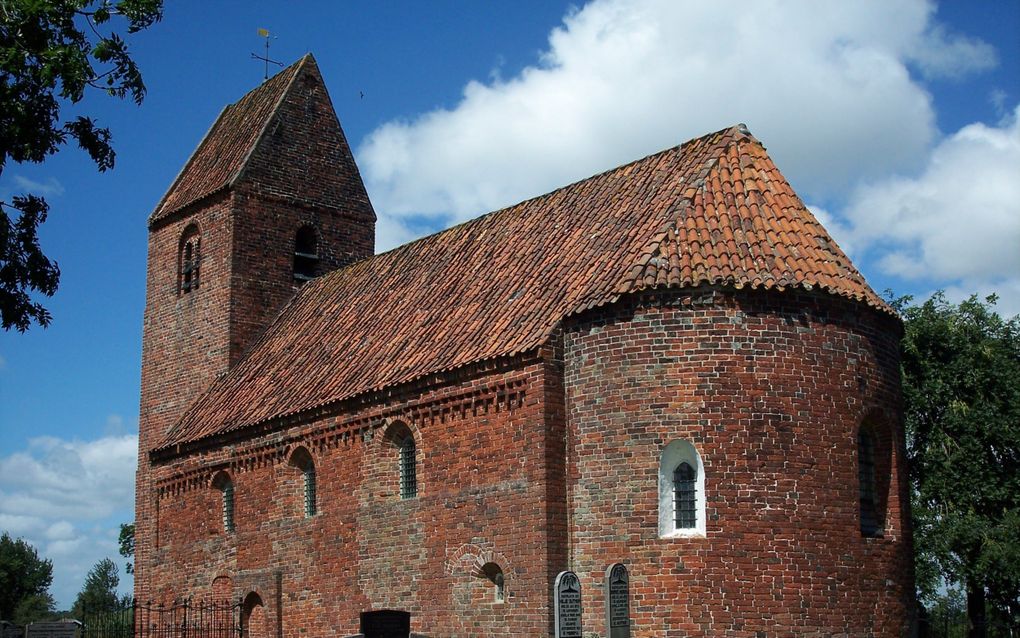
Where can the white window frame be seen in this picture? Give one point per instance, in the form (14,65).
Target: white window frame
(675,453)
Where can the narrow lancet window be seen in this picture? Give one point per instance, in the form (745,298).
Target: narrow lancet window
(228,507)
(309,476)
(223,483)
(301,460)
(306,255)
(408,471)
(685,496)
(866,483)
(681,491)
(189,261)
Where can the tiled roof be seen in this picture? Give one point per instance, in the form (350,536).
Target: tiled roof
(221,156)
(715,210)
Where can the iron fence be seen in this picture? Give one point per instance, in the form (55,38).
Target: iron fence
(181,619)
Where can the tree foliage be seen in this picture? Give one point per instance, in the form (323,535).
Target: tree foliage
(961,384)
(127,545)
(99,593)
(24,581)
(51,53)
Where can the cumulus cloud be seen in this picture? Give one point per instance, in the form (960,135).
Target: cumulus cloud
(827,86)
(67,498)
(73,479)
(958,221)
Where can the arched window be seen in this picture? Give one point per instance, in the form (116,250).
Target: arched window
(223,483)
(189,260)
(870,524)
(681,491)
(253,617)
(306,254)
(685,496)
(408,469)
(494,573)
(302,460)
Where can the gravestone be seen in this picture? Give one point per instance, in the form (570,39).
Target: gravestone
(617,591)
(386,623)
(567,596)
(59,629)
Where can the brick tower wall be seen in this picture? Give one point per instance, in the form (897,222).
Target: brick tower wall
(771,389)
(185,341)
(300,171)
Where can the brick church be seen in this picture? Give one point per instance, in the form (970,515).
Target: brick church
(669,365)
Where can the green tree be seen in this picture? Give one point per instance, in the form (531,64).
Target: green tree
(99,593)
(34,608)
(127,545)
(51,52)
(961,386)
(24,580)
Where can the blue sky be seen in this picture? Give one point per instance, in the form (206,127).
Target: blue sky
(896,121)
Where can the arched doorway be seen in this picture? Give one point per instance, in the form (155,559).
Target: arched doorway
(253,617)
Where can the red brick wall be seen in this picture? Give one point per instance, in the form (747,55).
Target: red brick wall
(185,342)
(483,449)
(771,389)
(263,276)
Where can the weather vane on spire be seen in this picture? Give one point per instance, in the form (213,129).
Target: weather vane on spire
(265,34)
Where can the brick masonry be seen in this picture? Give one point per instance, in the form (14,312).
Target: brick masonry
(483,496)
(771,390)
(546,463)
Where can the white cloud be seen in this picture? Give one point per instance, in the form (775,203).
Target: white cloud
(67,498)
(826,86)
(49,187)
(958,221)
(941,55)
(60,531)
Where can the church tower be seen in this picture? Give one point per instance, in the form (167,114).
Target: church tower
(270,199)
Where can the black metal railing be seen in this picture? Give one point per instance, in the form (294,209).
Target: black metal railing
(186,618)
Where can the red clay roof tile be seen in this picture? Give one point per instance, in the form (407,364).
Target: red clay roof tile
(501,284)
(223,152)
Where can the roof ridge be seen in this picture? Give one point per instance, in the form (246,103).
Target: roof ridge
(654,246)
(740,128)
(159,212)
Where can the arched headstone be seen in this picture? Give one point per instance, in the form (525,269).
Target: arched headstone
(567,596)
(617,591)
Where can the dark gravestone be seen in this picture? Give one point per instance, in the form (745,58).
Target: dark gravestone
(567,595)
(386,623)
(617,602)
